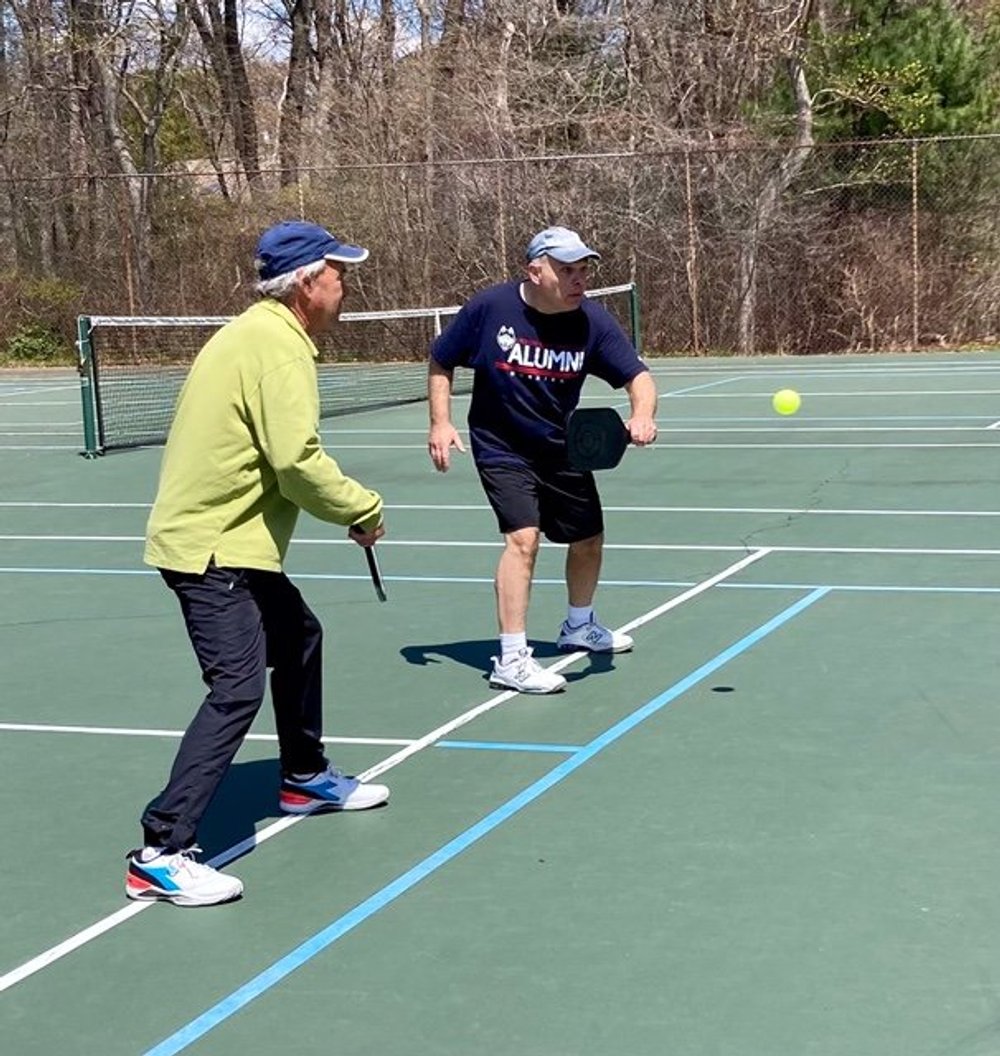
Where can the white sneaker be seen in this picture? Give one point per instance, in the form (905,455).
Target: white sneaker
(525,674)
(154,875)
(593,638)
(330,790)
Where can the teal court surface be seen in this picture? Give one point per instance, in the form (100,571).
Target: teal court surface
(771,830)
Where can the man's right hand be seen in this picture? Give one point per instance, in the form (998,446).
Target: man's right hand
(442,439)
(366,538)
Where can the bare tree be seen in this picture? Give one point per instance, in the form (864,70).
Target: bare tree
(34,146)
(219,30)
(293,100)
(124,61)
(766,205)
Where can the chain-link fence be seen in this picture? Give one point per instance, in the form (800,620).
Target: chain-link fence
(891,245)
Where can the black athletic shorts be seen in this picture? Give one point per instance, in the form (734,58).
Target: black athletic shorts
(563,503)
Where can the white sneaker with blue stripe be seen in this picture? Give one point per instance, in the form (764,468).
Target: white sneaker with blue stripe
(593,638)
(157,875)
(330,790)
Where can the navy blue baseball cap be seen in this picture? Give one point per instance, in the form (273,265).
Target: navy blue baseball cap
(559,243)
(294,243)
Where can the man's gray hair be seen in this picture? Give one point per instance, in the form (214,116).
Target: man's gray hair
(281,287)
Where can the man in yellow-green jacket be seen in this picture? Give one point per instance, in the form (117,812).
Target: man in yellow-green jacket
(242,458)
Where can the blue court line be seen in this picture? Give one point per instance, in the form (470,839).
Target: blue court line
(509,746)
(253,989)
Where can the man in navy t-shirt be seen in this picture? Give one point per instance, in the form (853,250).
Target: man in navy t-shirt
(531,344)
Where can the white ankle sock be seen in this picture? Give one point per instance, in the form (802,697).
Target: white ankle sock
(577,617)
(511,645)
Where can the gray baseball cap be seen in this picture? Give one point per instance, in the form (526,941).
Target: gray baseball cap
(559,243)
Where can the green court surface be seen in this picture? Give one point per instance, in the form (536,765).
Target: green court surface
(771,830)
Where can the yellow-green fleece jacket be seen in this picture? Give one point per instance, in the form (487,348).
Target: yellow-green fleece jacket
(243,455)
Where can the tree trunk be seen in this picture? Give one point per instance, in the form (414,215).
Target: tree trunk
(766,206)
(219,33)
(293,99)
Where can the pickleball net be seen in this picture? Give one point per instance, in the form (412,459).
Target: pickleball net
(132,367)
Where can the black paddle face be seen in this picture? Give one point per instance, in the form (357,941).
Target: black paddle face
(596,438)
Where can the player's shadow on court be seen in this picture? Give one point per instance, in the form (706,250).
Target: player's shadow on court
(476,653)
(595,664)
(248,794)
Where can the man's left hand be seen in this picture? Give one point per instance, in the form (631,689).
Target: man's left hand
(641,430)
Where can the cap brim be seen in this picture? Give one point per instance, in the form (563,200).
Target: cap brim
(347,254)
(573,257)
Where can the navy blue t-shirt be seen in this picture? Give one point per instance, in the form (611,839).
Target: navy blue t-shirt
(530,367)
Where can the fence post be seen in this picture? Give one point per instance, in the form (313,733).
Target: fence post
(633,301)
(692,258)
(915,241)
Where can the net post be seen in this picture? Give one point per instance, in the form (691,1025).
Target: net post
(85,367)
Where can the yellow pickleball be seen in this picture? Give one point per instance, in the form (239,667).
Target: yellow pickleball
(786,401)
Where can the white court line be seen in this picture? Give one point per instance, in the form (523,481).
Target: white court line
(104,925)
(665,449)
(16,394)
(334,424)
(484,507)
(804,426)
(705,385)
(79,538)
(809,427)
(560,582)
(860,420)
(665,367)
(783,510)
(482,544)
(79,505)
(673,447)
(127,731)
(856,394)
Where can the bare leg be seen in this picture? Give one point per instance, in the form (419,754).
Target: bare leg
(513,586)
(583,568)
(513,579)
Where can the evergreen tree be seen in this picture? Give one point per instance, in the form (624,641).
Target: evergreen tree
(904,68)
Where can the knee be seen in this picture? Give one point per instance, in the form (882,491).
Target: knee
(523,544)
(591,547)
(312,631)
(238,690)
